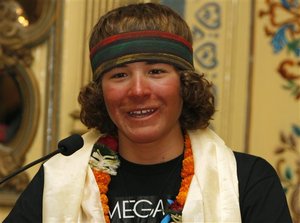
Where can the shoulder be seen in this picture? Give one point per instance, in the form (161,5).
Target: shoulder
(247,164)
(261,195)
(252,170)
(28,207)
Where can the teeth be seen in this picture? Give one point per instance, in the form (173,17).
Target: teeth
(142,112)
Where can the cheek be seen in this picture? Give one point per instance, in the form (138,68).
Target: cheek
(178,98)
(173,95)
(113,98)
(109,97)
(178,101)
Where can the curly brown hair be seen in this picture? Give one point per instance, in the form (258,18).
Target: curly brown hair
(198,100)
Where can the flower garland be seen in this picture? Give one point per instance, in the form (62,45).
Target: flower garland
(174,211)
(104,163)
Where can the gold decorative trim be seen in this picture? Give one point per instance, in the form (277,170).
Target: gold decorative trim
(15,35)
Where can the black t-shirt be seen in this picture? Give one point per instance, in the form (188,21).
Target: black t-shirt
(262,199)
(145,191)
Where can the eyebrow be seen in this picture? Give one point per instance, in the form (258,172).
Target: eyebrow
(146,62)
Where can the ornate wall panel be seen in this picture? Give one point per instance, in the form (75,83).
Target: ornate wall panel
(275,104)
(24,27)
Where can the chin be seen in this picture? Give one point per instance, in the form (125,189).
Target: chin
(143,136)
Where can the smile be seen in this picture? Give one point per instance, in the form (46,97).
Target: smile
(142,112)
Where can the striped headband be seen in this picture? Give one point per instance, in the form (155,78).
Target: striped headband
(149,45)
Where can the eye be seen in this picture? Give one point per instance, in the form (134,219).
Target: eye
(157,71)
(160,69)
(117,75)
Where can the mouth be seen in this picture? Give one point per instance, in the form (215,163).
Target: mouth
(141,112)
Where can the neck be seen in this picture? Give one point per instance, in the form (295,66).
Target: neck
(162,150)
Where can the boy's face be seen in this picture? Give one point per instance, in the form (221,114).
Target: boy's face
(143,100)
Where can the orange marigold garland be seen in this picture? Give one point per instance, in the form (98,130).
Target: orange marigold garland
(104,163)
(103,180)
(187,172)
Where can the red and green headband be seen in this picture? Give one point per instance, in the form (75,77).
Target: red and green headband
(149,45)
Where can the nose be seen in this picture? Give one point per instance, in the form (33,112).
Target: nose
(139,86)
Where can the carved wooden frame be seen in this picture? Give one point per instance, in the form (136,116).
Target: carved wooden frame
(15,55)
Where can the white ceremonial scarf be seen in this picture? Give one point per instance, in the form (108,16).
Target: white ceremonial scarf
(71,193)
(213,194)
